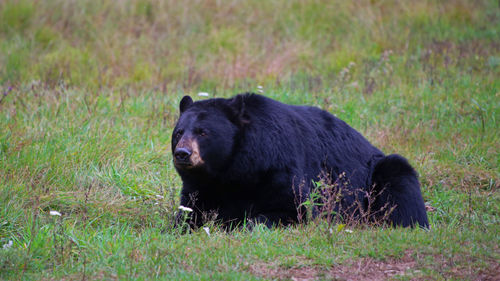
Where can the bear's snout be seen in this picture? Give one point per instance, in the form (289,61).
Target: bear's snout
(182,154)
(187,154)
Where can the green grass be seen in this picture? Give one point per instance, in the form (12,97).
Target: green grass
(89,93)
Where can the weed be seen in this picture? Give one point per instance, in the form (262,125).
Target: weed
(335,203)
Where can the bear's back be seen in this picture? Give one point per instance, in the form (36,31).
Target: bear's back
(316,140)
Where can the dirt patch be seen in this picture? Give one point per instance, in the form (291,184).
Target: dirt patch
(371,269)
(362,269)
(302,273)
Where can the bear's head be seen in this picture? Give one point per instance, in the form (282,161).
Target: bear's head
(206,133)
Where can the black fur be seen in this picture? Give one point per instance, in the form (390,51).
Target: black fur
(260,155)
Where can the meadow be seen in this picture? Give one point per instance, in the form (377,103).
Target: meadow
(89,94)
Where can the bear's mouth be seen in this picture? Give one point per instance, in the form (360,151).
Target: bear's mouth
(183,164)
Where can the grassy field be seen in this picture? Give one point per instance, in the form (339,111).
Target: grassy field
(89,92)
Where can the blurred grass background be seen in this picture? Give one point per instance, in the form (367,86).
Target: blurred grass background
(210,44)
(89,92)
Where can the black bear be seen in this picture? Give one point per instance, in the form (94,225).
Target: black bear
(251,158)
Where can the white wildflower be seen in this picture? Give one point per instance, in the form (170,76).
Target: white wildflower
(8,245)
(159,196)
(203,94)
(348,231)
(207,230)
(260,87)
(185,209)
(54,213)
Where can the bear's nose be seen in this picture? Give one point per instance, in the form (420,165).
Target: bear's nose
(182,154)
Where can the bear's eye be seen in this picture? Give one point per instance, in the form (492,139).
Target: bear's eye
(201,132)
(178,134)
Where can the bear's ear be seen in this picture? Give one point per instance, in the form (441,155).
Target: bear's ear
(237,105)
(186,102)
